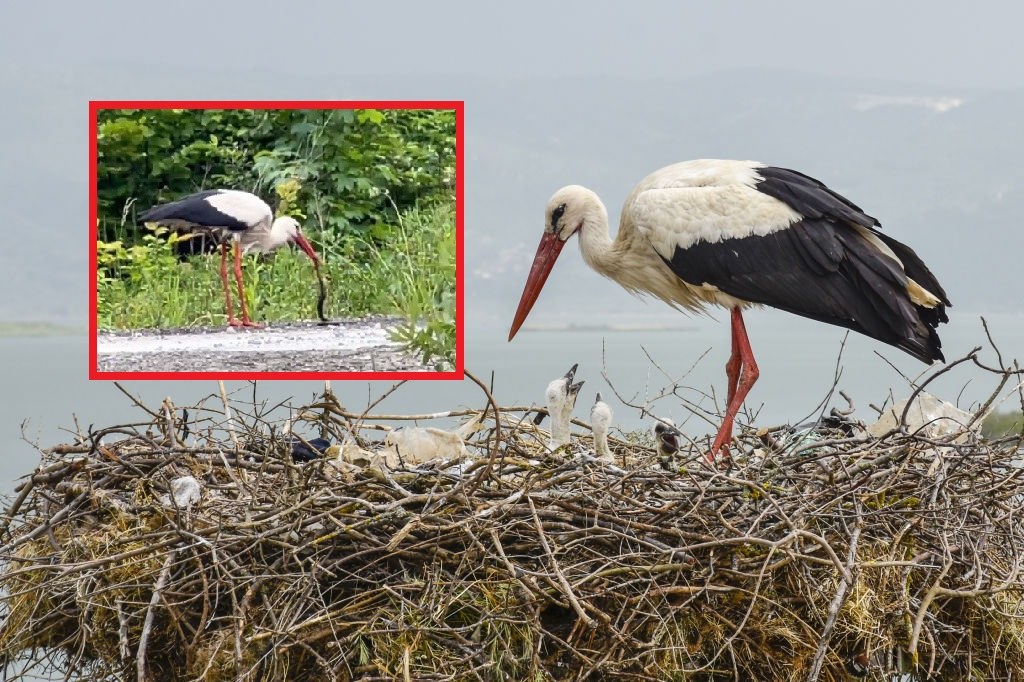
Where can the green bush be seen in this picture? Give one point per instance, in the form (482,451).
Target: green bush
(355,167)
(999,424)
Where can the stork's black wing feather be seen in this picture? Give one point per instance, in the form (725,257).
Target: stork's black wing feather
(821,269)
(919,272)
(193,210)
(301,452)
(809,197)
(812,199)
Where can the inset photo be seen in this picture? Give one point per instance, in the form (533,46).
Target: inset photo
(265,240)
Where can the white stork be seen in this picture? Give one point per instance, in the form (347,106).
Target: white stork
(600,422)
(247,218)
(740,233)
(560,398)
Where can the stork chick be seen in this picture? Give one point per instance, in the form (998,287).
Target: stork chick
(560,398)
(666,436)
(600,421)
(307,450)
(416,445)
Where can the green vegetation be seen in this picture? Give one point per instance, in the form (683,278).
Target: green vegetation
(373,189)
(415,275)
(145,286)
(999,424)
(35,329)
(353,167)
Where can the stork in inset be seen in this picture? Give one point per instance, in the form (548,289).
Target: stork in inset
(740,233)
(244,216)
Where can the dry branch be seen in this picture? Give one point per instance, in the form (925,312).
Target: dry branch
(813,547)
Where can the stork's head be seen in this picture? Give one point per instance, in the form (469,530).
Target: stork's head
(666,436)
(286,230)
(569,209)
(561,393)
(600,416)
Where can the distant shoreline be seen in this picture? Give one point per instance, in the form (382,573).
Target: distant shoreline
(607,328)
(21,329)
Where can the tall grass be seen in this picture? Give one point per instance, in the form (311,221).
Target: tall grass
(417,269)
(412,275)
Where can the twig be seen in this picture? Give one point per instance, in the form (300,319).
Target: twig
(846,579)
(142,674)
(230,423)
(566,588)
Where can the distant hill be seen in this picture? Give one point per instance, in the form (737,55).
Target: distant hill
(935,165)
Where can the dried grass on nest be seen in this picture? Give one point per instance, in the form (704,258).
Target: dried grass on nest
(522,565)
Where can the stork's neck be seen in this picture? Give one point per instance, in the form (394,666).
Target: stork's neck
(561,416)
(278,235)
(595,239)
(559,429)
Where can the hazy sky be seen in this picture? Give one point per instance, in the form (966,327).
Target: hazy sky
(940,42)
(56,55)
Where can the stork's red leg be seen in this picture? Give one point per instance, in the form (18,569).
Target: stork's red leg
(748,374)
(246,322)
(732,367)
(227,287)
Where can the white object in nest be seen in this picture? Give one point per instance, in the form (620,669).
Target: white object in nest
(352,458)
(417,444)
(185,491)
(928,416)
(600,422)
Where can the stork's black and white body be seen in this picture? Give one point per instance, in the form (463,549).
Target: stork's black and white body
(600,423)
(740,233)
(560,398)
(244,216)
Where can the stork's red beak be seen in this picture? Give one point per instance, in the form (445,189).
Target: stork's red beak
(307,247)
(547,254)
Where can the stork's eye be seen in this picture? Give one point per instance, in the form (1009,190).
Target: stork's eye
(556,216)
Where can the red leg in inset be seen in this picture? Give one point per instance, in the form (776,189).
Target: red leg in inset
(246,322)
(227,288)
(748,374)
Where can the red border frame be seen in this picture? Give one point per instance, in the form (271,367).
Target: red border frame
(457,105)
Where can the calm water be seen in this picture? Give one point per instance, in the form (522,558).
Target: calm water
(44,380)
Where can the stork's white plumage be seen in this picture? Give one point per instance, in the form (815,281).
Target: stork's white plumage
(600,423)
(741,233)
(418,444)
(244,216)
(560,398)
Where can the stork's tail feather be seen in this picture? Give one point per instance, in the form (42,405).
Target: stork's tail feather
(923,341)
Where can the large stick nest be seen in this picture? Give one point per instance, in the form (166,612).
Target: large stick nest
(804,554)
